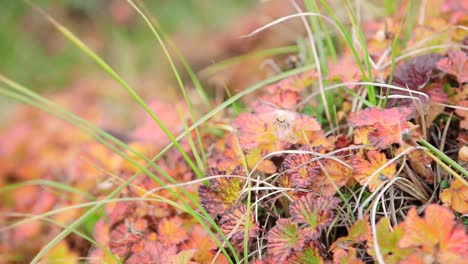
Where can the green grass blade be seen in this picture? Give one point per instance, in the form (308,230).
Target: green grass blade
(178,78)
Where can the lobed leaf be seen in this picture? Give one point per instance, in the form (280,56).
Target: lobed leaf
(316,213)
(365,167)
(380,128)
(234,223)
(456,196)
(283,239)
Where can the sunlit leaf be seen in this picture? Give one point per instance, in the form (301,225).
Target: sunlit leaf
(364,167)
(61,252)
(435,235)
(384,127)
(456,196)
(183,257)
(255,160)
(283,239)
(316,213)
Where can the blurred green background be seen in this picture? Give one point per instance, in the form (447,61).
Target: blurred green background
(34,54)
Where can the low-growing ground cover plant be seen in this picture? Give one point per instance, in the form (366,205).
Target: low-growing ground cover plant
(357,153)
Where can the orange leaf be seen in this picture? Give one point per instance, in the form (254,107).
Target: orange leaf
(233,223)
(205,246)
(300,169)
(456,196)
(170,231)
(333,175)
(435,235)
(366,167)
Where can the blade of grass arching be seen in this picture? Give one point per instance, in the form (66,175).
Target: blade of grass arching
(56,111)
(54,184)
(84,48)
(199,161)
(193,77)
(348,40)
(233,99)
(313,7)
(222,65)
(363,44)
(176,74)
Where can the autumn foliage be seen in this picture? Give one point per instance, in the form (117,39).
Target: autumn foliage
(280,183)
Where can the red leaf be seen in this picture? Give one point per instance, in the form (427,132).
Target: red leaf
(284,238)
(300,170)
(333,175)
(233,224)
(456,64)
(384,126)
(316,213)
(416,72)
